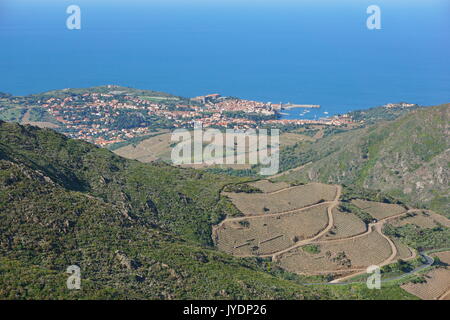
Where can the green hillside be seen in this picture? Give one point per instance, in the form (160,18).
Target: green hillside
(137,231)
(407,158)
(138,190)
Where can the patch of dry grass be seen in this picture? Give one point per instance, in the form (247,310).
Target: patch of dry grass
(379,210)
(282,200)
(437,283)
(270,234)
(266,186)
(421,219)
(149,150)
(403,251)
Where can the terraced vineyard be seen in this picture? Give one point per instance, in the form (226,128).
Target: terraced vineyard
(302,230)
(288,199)
(346,224)
(267,186)
(268,234)
(435,284)
(350,254)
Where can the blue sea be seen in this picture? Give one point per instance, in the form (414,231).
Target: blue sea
(303,52)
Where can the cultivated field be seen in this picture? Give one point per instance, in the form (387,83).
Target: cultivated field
(283,200)
(403,251)
(270,233)
(303,231)
(437,285)
(445,296)
(421,219)
(345,225)
(288,138)
(443,256)
(341,255)
(41,124)
(151,149)
(379,210)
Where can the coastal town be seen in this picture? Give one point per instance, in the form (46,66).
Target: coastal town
(106,117)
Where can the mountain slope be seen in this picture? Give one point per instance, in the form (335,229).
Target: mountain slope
(138,190)
(408,158)
(48,228)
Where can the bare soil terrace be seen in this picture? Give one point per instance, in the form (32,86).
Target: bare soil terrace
(268,187)
(337,256)
(403,251)
(268,234)
(379,210)
(422,219)
(346,224)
